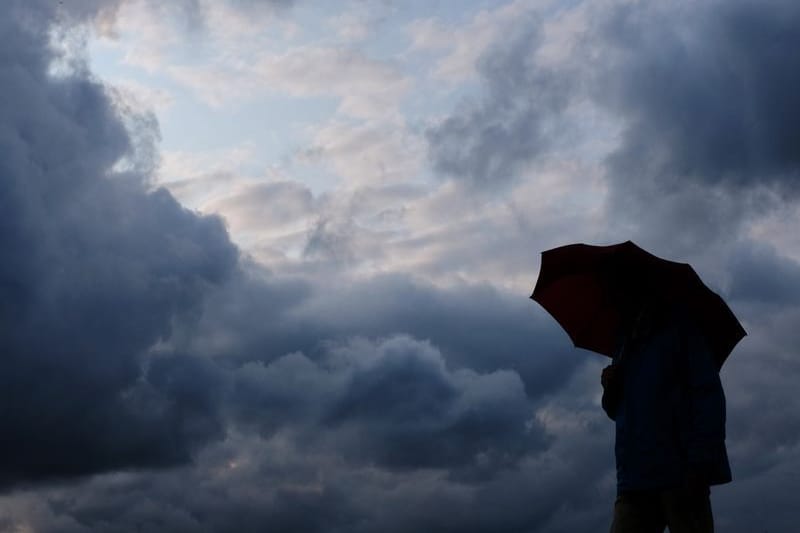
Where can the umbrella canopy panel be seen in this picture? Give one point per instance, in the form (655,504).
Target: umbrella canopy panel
(593,291)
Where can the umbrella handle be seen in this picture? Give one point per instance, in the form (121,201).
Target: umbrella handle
(619,357)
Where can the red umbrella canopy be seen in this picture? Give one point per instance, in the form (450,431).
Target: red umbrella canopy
(592,290)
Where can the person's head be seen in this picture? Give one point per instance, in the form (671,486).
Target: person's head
(646,314)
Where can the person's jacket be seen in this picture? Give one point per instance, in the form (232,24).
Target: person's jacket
(669,411)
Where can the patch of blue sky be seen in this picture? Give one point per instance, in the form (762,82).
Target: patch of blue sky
(312,21)
(433,100)
(318,178)
(272,121)
(108,62)
(275,126)
(387,38)
(272,124)
(455,12)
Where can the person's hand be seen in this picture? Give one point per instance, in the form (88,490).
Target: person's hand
(609,378)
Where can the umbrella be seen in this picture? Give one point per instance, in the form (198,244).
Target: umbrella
(591,290)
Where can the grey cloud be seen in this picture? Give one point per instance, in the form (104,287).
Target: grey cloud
(40,13)
(708,93)
(132,336)
(415,413)
(705,93)
(761,275)
(205,501)
(462,401)
(706,96)
(135,337)
(486,142)
(273,205)
(297,481)
(393,403)
(95,271)
(330,241)
(192,15)
(763,374)
(261,4)
(475,326)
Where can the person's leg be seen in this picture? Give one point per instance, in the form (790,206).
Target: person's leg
(688,511)
(638,513)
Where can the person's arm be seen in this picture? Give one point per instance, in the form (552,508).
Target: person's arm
(706,418)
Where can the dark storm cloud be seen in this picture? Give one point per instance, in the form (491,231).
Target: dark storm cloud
(133,339)
(705,95)
(386,404)
(707,98)
(486,142)
(761,275)
(474,326)
(297,479)
(325,364)
(406,412)
(195,501)
(95,271)
(765,284)
(103,270)
(346,436)
(709,93)
(393,403)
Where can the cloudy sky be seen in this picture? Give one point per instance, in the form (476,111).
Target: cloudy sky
(266,263)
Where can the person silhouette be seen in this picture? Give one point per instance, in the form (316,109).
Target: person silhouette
(665,396)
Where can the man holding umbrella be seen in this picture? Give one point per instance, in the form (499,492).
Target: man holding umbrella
(668,335)
(664,393)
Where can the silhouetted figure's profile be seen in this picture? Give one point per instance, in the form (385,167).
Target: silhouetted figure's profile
(669,335)
(664,392)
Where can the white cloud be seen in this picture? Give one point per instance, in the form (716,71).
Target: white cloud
(178,165)
(142,96)
(367,87)
(360,19)
(143,31)
(452,236)
(364,87)
(463,45)
(369,153)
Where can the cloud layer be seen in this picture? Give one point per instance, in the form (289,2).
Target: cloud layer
(96,270)
(375,372)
